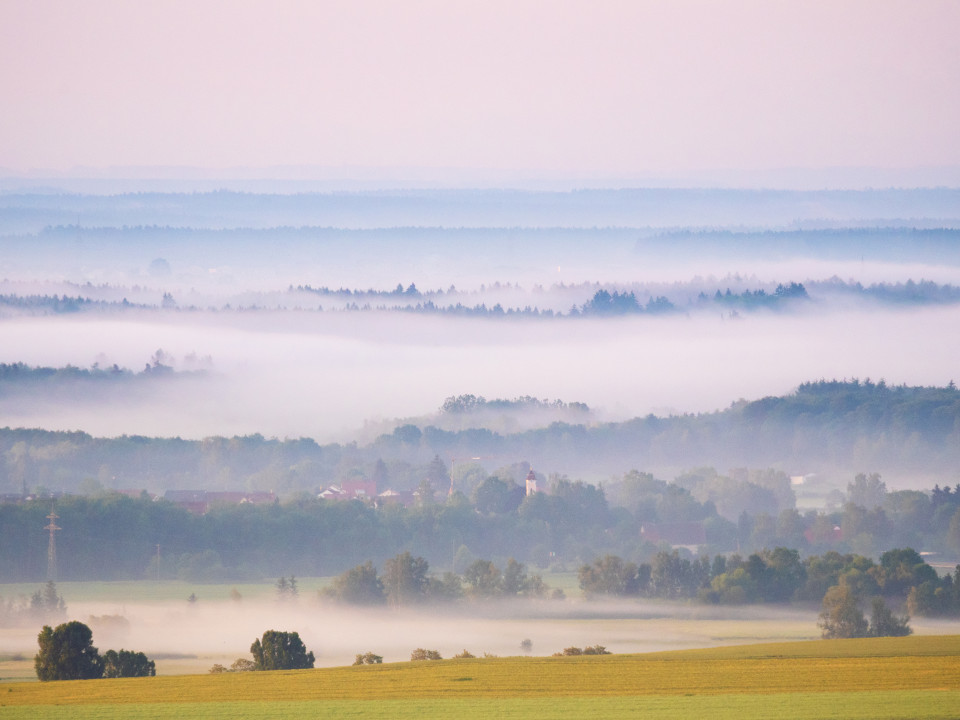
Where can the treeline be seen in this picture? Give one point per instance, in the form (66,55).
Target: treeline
(606,301)
(472,403)
(825,427)
(406,580)
(110,536)
(779,575)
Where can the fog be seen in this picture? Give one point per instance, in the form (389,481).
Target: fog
(184,637)
(324,375)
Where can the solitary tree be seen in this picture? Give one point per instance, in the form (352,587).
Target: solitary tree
(67,653)
(281,651)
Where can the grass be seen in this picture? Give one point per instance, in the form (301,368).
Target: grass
(917,677)
(805,706)
(148,591)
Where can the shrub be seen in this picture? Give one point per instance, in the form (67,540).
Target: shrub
(465,654)
(421,654)
(590,650)
(596,650)
(368,659)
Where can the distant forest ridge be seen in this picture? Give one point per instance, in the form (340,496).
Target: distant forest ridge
(841,426)
(637,207)
(607,299)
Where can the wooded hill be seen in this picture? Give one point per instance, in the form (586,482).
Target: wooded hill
(839,427)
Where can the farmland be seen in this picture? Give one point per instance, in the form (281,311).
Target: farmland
(902,677)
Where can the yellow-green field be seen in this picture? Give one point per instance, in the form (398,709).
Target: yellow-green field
(914,677)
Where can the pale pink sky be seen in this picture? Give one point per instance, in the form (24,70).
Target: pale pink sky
(569,88)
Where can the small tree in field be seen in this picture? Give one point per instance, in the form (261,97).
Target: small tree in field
(280,651)
(67,653)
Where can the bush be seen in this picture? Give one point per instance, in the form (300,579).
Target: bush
(465,654)
(596,650)
(368,659)
(421,654)
(590,650)
(239,665)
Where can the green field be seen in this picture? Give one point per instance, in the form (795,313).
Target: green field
(914,677)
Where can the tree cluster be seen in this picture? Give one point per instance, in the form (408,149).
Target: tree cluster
(406,581)
(278,650)
(67,652)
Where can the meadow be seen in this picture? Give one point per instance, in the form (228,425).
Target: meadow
(916,677)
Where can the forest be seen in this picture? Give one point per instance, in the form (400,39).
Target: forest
(836,428)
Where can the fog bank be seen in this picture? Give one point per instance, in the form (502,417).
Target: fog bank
(322,375)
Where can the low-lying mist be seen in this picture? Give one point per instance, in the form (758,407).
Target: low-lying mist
(192,637)
(324,375)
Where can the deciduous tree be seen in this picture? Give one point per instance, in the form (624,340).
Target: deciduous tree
(67,653)
(278,650)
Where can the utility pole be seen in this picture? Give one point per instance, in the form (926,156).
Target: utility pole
(52,546)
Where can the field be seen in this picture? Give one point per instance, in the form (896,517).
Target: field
(915,677)
(186,638)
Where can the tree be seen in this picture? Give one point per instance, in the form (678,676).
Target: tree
(67,653)
(421,654)
(514,578)
(437,473)
(867,491)
(495,496)
(883,623)
(484,579)
(47,604)
(281,651)
(840,615)
(287,589)
(368,658)
(609,575)
(127,663)
(405,579)
(359,586)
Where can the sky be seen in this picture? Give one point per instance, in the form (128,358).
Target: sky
(508,89)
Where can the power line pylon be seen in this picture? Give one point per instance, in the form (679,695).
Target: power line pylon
(52,547)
